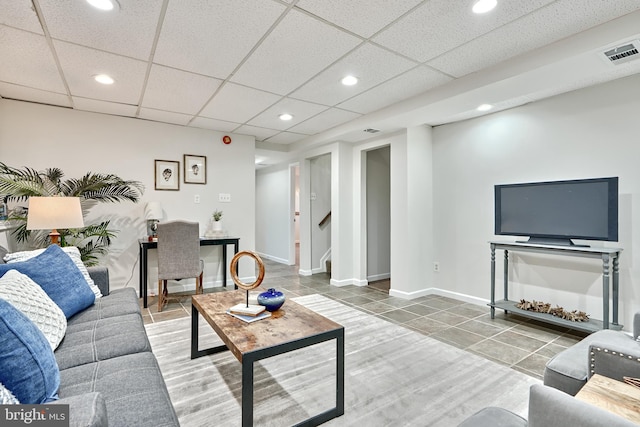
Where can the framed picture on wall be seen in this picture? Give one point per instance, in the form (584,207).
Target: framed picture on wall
(195,169)
(167,175)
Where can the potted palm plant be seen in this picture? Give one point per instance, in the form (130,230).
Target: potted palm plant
(93,188)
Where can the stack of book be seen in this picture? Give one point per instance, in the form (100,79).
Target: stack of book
(248,313)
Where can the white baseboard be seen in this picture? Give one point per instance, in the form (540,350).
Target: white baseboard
(441,292)
(273,258)
(305,272)
(376,277)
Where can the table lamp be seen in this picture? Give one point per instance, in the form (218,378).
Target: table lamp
(153,215)
(51,213)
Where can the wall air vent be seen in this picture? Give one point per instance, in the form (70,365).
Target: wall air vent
(372,130)
(624,53)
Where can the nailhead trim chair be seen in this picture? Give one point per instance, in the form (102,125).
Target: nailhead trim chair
(178,255)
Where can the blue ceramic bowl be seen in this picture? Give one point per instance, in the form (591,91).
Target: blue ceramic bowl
(271,299)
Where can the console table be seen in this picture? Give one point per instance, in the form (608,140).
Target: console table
(145,245)
(607,255)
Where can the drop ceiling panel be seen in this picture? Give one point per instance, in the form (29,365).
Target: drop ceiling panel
(438,26)
(556,21)
(409,84)
(372,15)
(213,124)
(236,103)
(371,64)
(299,109)
(20,14)
(104,107)
(79,65)
(128,31)
(178,91)
(27,61)
(325,120)
(299,48)
(286,138)
(212,38)
(164,116)
(260,133)
(8,90)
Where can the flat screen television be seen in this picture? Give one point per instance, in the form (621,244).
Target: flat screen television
(556,212)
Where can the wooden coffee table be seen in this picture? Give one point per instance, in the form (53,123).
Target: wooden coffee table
(614,396)
(291,328)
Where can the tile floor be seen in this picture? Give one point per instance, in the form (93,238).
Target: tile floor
(522,344)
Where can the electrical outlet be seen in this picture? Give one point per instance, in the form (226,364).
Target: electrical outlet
(313,196)
(224,197)
(196,198)
(436,266)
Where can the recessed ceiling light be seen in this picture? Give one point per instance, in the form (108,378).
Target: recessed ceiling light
(104,79)
(103,4)
(484,107)
(349,80)
(285,116)
(484,6)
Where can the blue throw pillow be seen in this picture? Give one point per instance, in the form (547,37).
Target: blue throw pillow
(27,365)
(60,278)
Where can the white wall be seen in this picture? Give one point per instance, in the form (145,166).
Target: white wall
(584,134)
(273,213)
(42,136)
(378,217)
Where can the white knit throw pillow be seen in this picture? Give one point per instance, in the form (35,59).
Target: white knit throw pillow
(6,397)
(73,253)
(28,297)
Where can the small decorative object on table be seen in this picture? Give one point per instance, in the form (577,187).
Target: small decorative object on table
(271,299)
(215,229)
(246,311)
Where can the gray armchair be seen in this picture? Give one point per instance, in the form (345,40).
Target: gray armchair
(614,354)
(548,407)
(178,255)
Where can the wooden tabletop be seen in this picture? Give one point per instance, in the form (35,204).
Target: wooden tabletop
(290,323)
(614,396)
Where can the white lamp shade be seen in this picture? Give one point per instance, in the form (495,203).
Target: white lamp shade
(153,210)
(49,213)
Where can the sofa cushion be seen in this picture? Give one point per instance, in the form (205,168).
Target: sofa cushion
(28,366)
(494,417)
(6,397)
(86,410)
(102,339)
(25,295)
(132,387)
(54,271)
(118,302)
(73,253)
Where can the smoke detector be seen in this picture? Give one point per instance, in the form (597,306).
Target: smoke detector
(623,53)
(371,130)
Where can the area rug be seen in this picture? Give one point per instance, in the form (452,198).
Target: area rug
(393,376)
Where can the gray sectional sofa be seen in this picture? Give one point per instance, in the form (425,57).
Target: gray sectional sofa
(108,374)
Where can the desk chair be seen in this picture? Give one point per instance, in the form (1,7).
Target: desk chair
(178,255)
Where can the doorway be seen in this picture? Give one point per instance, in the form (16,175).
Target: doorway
(378,216)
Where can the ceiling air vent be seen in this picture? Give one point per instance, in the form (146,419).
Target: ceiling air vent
(372,130)
(622,54)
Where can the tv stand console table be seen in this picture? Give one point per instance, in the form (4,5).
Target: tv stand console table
(607,255)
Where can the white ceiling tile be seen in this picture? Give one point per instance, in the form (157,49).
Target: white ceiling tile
(212,38)
(164,116)
(441,25)
(409,84)
(11,91)
(20,14)
(325,120)
(213,124)
(237,103)
(79,65)
(129,30)
(300,111)
(286,138)
(27,60)
(545,26)
(178,91)
(371,64)
(295,51)
(260,133)
(104,107)
(372,15)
